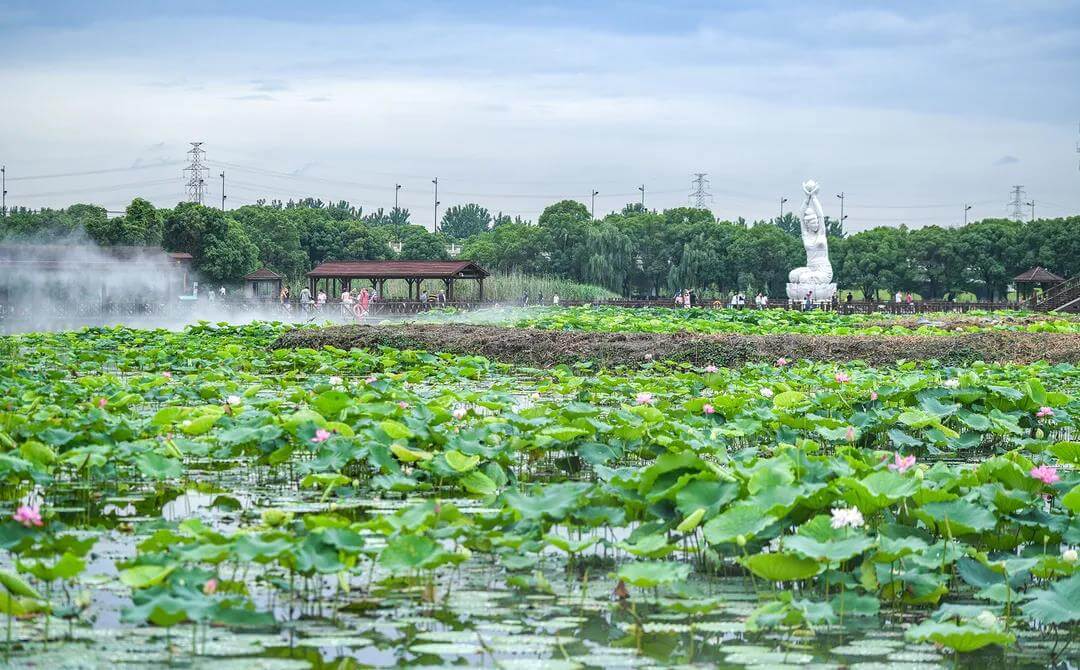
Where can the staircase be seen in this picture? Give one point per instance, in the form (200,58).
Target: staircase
(1065,297)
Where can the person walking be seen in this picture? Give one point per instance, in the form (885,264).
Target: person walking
(555,300)
(525,298)
(305,299)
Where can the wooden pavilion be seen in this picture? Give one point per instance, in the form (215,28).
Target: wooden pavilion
(337,276)
(1036,276)
(263,284)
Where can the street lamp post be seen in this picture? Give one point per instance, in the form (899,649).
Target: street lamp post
(397,187)
(1032,206)
(3,187)
(593,210)
(842,217)
(435,227)
(782,201)
(966,209)
(642,189)
(223,196)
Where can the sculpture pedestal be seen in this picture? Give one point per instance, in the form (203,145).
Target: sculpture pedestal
(819,292)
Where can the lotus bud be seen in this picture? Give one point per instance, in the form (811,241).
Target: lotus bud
(275,517)
(986,619)
(1069,555)
(1039,433)
(740,540)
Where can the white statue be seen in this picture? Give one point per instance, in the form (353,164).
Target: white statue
(814,280)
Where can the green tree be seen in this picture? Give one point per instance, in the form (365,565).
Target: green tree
(277,237)
(609,255)
(463,221)
(767,254)
(418,244)
(228,254)
(989,247)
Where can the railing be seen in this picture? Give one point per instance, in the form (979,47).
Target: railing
(854,307)
(1065,294)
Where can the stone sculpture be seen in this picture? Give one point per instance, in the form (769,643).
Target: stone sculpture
(814,280)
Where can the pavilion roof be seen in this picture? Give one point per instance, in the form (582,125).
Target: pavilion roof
(399,270)
(262,273)
(1038,275)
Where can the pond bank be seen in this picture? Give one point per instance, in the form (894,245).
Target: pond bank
(544,348)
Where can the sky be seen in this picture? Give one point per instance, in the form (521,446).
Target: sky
(912,110)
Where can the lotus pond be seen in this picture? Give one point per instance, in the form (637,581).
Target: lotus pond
(770,321)
(196,499)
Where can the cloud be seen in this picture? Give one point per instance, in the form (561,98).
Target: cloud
(318,98)
(1007,160)
(253,96)
(269,85)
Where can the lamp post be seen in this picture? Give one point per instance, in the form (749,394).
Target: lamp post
(592,212)
(223,196)
(642,189)
(1032,206)
(966,209)
(435,227)
(842,217)
(782,201)
(397,187)
(3,187)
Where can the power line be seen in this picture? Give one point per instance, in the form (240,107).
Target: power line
(700,195)
(196,185)
(95,189)
(88,173)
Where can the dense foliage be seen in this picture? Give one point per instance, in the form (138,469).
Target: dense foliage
(628,252)
(776,321)
(944,494)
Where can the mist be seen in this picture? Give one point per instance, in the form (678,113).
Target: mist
(76,284)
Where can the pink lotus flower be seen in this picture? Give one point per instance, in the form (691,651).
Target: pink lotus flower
(842,378)
(27,516)
(781,362)
(902,464)
(210,586)
(766,392)
(708,409)
(101,402)
(644,398)
(850,434)
(372,379)
(711,368)
(402,404)
(873,396)
(1045,474)
(460,412)
(1044,412)
(321,435)
(166,374)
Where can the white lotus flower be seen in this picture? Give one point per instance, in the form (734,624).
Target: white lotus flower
(849,517)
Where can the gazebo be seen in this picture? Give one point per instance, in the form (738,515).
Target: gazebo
(337,276)
(1036,276)
(263,284)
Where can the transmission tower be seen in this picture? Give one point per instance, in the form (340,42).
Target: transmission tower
(700,196)
(197,173)
(1016,205)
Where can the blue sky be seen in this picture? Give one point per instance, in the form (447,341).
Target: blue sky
(911,108)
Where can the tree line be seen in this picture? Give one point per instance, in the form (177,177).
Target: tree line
(632,252)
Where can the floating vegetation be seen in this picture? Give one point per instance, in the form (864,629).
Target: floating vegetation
(195,498)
